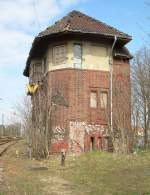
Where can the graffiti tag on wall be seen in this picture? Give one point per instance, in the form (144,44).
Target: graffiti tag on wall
(58,134)
(77,134)
(89,128)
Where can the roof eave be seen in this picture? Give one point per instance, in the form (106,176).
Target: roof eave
(126,39)
(123,37)
(123,56)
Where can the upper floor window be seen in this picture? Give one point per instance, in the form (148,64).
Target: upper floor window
(77,52)
(59,55)
(45,64)
(35,72)
(35,68)
(93,99)
(104,99)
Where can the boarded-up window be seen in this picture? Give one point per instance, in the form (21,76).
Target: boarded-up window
(35,72)
(45,64)
(93,99)
(104,99)
(38,67)
(59,55)
(77,50)
(35,68)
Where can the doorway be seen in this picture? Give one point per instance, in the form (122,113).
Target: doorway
(99,143)
(92,144)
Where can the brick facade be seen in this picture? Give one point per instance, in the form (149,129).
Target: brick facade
(79,127)
(73,123)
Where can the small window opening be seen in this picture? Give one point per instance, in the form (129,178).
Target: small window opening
(59,55)
(45,64)
(77,50)
(93,99)
(104,99)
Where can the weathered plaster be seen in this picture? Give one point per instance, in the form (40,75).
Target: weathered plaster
(94,56)
(78,133)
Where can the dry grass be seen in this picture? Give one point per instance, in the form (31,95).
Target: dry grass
(96,173)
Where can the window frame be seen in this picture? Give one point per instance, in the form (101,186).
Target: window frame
(103,91)
(76,57)
(34,68)
(45,64)
(93,91)
(54,61)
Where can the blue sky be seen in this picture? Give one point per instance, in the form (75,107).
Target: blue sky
(21,20)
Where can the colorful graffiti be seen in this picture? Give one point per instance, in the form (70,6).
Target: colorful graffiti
(76,137)
(78,131)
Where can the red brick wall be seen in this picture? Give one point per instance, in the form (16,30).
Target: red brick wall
(122,91)
(75,86)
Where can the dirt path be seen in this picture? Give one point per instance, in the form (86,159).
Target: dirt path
(5,146)
(58,186)
(16,177)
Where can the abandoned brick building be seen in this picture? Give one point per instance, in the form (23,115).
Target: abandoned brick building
(74,56)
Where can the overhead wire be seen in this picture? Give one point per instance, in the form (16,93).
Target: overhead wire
(34,2)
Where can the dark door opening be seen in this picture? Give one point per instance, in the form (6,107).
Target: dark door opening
(92,147)
(99,143)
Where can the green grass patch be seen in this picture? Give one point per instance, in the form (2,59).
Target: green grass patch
(105,173)
(93,173)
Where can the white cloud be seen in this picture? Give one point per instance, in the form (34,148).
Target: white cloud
(25,13)
(20,21)
(14,45)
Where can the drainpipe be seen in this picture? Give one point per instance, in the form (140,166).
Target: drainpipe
(111,83)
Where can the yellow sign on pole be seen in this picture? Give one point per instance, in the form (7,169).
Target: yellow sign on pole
(32,88)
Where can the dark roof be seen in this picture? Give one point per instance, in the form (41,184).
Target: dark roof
(76,21)
(122,52)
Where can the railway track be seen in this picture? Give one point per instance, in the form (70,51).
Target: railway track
(6,142)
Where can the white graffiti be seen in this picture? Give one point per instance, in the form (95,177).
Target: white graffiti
(76,137)
(58,134)
(59,130)
(78,131)
(89,128)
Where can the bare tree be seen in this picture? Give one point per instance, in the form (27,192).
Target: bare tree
(35,114)
(141,91)
(23,111)
(41,121)
(122,136)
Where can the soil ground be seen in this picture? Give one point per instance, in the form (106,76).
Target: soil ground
(96,173)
